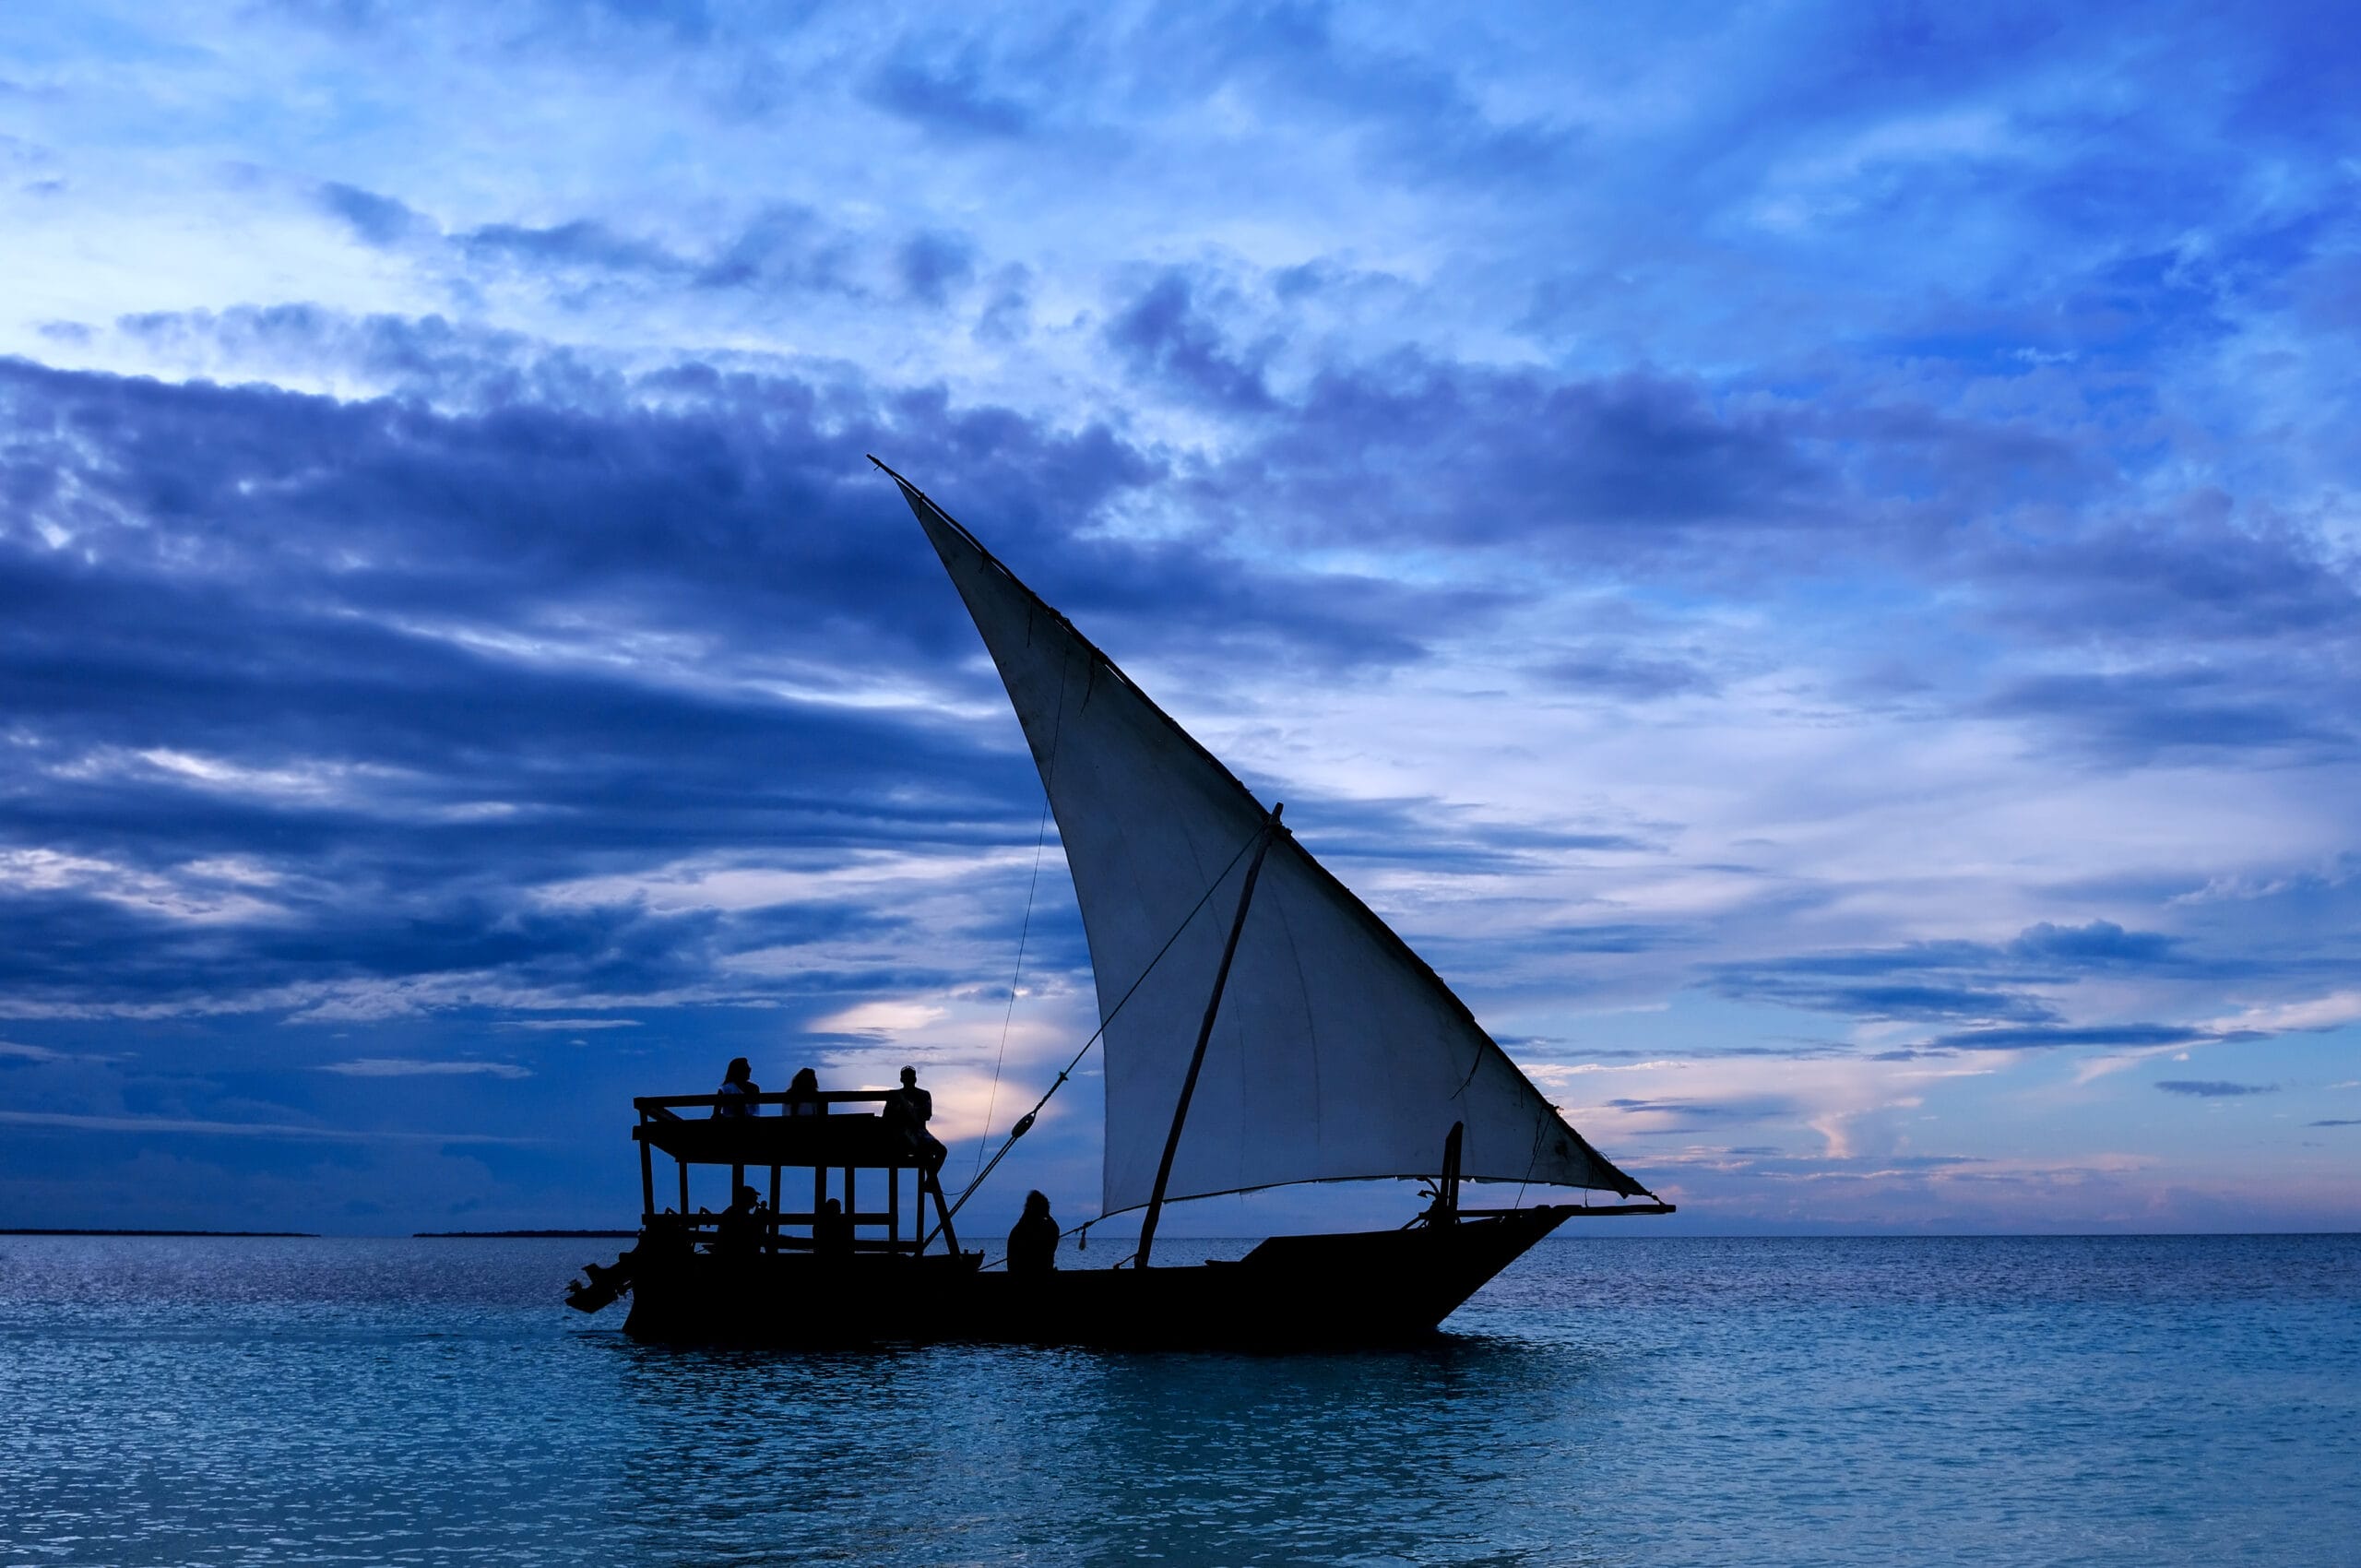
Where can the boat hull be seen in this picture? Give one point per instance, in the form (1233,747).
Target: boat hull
(1292,1293)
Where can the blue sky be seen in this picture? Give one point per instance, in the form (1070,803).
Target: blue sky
(1805,556)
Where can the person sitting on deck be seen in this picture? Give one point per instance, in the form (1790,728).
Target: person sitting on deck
(910,1107)
(803,1094)
(741,1225)
(1033,1245)
(737,1087)
(832,1231)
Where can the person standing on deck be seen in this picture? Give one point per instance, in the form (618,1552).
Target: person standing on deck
(911,1108)
(1033,1245)
(803,1094)
(737,1087)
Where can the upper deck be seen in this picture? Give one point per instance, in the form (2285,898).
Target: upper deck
(844,1131)
(836,1129)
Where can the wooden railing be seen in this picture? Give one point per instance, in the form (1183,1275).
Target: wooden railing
(765,1233)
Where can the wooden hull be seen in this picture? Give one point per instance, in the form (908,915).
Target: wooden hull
(1292,1293)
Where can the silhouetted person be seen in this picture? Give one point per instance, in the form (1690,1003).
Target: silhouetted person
(741,1223)
(1033,1245)
(803,1094)
(832,1231)
(910,1107)
(738,1087)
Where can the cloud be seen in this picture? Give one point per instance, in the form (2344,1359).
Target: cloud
(1628,676)
(881,1019)
(2333,1011)
(1165,336)
(2213,1088)
(173,1125)
(2009,990)
(2139,1036)
(2159,715)
(951,97)
(582,242)
(413,1067)
(379,219)
(1409,446)
(572,1024)
(933,265)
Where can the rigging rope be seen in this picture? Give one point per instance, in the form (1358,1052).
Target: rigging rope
(1025,1122)
(1048,782)
(991,1103)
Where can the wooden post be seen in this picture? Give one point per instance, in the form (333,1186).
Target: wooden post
(894,1204)
(646,1182)
(1271,830)
(684,1189)
(928,1183)
(774,1223)
(850,1207)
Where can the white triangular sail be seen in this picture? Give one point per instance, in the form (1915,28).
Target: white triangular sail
(1336,1052)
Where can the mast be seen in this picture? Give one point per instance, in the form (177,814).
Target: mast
(1271,831)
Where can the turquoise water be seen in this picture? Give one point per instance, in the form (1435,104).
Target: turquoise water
(1627,1401)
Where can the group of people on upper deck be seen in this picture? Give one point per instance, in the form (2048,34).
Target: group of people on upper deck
(909,1108)
(1032,1245)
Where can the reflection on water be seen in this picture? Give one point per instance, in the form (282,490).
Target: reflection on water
(930,1456)
(1629,1402)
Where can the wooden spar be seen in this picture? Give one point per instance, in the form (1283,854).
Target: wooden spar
(928,1184)
(1271,830)
(1447,1185)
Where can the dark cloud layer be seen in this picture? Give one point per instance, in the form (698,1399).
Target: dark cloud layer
(307,694)
(1986,984)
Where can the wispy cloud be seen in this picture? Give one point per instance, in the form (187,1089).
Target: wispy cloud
(414,1067)
(175,1125)
(570,1024)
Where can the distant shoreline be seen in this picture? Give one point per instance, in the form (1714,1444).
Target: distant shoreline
(519,1235)
(298,1235)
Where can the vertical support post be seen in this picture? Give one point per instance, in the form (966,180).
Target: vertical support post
(1271,831)
(850,1207)
(646,1181)
(773,1226)
(684,1189)
(819,1196)
(894,1204)
(929,1182)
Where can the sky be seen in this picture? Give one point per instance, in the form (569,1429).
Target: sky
(1804,556)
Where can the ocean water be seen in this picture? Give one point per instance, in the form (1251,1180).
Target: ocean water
(1624,1401)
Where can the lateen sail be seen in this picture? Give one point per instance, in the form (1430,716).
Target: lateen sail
(1338,1053)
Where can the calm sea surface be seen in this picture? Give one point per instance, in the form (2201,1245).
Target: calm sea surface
(1626,1401)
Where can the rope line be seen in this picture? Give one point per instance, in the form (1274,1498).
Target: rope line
(1025,1122)
(1040,842)
(1024,932)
